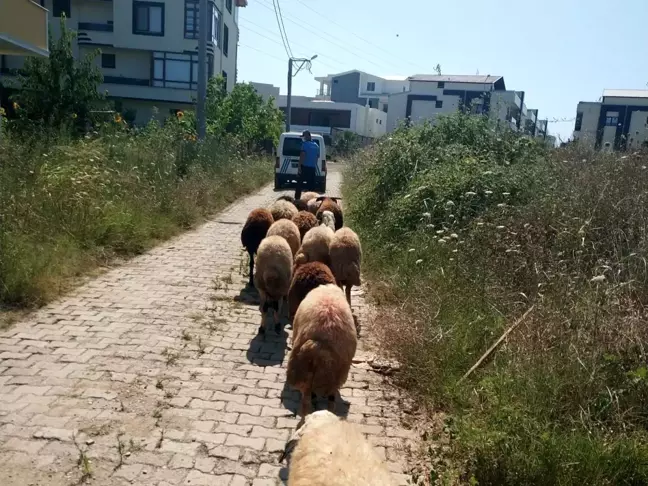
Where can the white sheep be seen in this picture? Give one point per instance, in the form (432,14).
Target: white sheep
(326,450)
(328,220)
(315,246)
(282,209)
(346,253)
(324,343)
(273,276)
(288,231)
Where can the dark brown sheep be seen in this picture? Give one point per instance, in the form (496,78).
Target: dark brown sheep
(330,204)
(306,277)
(304,221)
(255,229)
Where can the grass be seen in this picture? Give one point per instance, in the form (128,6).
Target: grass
(68,206)
(465,228)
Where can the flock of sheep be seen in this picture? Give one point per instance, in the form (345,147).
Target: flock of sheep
(305,257)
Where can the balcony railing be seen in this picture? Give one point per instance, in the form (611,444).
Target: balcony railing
(96,27)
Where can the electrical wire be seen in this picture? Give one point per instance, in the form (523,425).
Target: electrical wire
(262,52)
(284,37)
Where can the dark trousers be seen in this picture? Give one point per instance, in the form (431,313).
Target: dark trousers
(307,176)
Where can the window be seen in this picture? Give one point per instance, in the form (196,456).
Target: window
(611,121)
(371,86)
(214,28)
(108,61)
(61,7)
(441,84)
(148,18)
(292,146)
(579,122)
(386,108)
(439,103)
(191,21)
(173,70)
(228,5)
(225,39)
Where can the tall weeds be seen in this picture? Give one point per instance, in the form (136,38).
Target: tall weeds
(465,228)
(69,205)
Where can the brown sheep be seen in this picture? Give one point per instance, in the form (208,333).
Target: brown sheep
(304,221)
(282,209)
(324,343)
(307,277)
(273,277)
(307,196)
(346,253)
(288,231)
(313,205)
(330,204)
(255,229)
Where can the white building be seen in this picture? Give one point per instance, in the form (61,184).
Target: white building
(361,88)
(431,95)
(149,49)
(618,122)
(323,116)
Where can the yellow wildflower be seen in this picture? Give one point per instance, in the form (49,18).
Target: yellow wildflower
(180,114)
(74,116)
(15,105)
(118,118)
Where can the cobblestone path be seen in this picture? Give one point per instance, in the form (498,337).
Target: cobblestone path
(152,374)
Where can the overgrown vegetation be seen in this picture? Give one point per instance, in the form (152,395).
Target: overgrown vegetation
(464,229)
(72,199)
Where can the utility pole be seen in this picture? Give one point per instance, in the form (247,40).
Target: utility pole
(519,120)
(203,34)
(288,101)
(303,62)
(546,129)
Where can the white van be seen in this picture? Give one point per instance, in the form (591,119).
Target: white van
(287,161)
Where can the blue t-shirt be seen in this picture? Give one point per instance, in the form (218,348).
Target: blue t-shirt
(312,153)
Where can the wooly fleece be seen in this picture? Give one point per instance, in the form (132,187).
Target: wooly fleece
(274,268)
(328,220)
(306,278)
(315,246)
(307,196)
(324,343)
(304,221)
(346,253)
(327,451)
(255,229)
(288,231)
(282,209)
(313,205)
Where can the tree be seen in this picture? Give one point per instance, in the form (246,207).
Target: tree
(58,91)
(242,112)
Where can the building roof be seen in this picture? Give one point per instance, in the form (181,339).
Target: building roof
(626,93)
(461,78)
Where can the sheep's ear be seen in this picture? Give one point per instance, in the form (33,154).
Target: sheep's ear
(320,198)
(336,199)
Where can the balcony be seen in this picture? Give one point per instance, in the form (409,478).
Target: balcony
(95,33)
(23,28)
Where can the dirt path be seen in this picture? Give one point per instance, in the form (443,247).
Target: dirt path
(152,374)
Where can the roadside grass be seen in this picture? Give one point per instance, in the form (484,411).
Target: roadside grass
(463,230)
(67,207)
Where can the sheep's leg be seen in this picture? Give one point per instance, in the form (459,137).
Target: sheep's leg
(306,406)
(331,403)
(261,309)
(277,316)
(251,283)
(348,294)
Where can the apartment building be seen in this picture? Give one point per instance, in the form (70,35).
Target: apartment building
(361,88)
(28,37)
(429,96)
(149,48)
(619,121)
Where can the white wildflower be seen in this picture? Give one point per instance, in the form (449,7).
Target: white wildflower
(500,227)
(419,261)
(427,215)
(442,240)
(449,204)
(431,226)
(454,236)
(471,194)
(598,279)
(501,205)
(440,232)
(480,224)
(488,193)
(506,194)
(488,172)
(412,250)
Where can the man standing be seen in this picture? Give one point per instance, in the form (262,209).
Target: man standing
(308,158)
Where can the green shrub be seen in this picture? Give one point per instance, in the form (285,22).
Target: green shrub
(466,228)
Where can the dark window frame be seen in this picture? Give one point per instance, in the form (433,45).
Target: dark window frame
(105,56)
(611,121)
(439,104)
(224,74)
(371,86)
(164,56)
(195,7)
(58,8)
(228,5)
(441,84)
(225,40)
(579,122)
(140,3)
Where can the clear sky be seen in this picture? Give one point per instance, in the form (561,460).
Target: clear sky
(559,52)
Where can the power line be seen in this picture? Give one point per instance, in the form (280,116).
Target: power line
(263,52)
(372,44)
(279,43)
(280,25)
(315,29)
